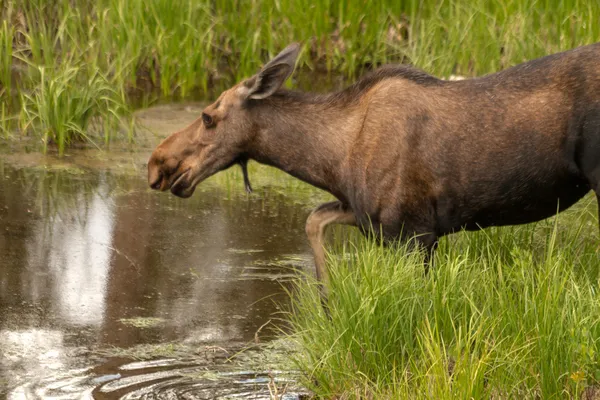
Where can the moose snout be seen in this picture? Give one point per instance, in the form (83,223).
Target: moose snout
(169,175)
(157,177)
(159,183)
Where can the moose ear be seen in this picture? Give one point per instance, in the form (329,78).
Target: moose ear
(273,74)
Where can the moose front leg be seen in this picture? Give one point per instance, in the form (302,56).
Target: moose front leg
(324,215)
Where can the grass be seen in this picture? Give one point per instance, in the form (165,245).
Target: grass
(200,47)
(505,313)
(6,39)
(66,103)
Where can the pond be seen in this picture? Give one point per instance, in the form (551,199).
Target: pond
(109,290)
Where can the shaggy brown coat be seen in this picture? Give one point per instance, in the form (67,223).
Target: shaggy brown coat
(407,153)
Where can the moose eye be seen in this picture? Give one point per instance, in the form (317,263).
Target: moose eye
(207,119)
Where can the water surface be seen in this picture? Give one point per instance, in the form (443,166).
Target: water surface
(109,290)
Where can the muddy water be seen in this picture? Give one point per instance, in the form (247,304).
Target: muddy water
(109,290)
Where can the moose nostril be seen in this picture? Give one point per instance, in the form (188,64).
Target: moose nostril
(156,184)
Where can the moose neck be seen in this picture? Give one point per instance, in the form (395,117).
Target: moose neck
(307,136)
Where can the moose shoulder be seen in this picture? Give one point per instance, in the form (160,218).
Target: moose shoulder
(407,153)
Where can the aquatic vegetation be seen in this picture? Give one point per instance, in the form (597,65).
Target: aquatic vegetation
(272,355)
(194,50)
(147,351)
(143,322)
(505,313)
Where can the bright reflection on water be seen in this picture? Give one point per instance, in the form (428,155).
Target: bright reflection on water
(84,252)
(79,261)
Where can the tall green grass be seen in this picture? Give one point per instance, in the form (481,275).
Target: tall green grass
(196,48)
(6,39)
(505,313)
(68,103)
(184,47)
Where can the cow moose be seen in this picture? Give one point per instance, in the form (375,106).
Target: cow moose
(406,154)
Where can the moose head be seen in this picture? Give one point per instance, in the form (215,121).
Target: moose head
(219,138)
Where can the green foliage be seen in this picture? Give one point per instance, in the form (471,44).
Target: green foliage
(196,48)
(67,102)
(505,313)
(6,38)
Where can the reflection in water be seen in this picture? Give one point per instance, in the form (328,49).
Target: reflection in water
(79,260)
(80,252)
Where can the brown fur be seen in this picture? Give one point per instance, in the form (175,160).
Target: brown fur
(407,152)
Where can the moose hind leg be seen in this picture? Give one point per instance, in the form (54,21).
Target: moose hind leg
(598,201)
(596,188)
(589,159)
(326,214)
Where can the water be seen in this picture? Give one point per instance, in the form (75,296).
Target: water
(109,290)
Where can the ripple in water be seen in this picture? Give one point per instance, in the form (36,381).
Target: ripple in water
(215,373)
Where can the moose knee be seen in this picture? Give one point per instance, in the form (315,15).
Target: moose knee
(326,214)
(313,225)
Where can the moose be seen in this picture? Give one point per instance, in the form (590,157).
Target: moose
(408,156)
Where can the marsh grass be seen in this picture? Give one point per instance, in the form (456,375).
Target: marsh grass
(505,313)
(200,47)
(68,103)
(6,40)
(4,121)
(180,49)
